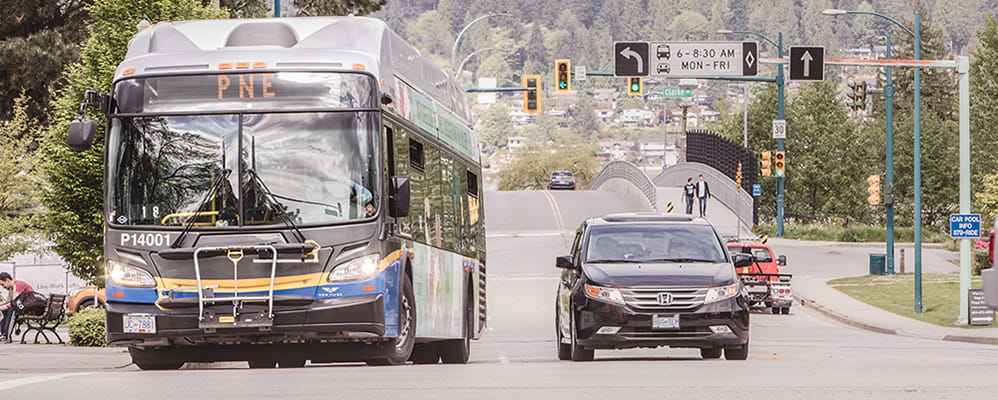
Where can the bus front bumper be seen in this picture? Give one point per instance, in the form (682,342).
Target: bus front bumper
(340,319)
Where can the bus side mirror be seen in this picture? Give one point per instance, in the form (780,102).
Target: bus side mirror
(743,260)
(400,197)
(781,260)
(81,134)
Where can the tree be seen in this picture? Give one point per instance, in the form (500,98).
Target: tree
(533,166)
(37,40)
(495,126)
(20,182)
(337,7)
(827,158)
(690,25)
(73,204)
(583,120)
(984,103)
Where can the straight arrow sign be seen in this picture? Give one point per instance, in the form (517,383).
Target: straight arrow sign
(807,63)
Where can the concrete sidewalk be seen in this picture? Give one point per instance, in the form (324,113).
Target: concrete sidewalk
(15,357)
(817,295)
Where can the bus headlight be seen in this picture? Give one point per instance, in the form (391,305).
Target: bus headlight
(721,293)
(127,275)
(358,269)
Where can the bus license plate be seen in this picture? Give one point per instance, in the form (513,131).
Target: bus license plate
(665,322)
(139,323)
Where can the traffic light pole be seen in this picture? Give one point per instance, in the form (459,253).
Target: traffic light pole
(889,161)
(780,93)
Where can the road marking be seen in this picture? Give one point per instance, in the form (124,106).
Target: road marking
(13,383)
(926,357)
(503,360)
(557,210)
(526,234)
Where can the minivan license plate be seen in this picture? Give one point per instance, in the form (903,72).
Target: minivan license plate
(665,322)
(139,323)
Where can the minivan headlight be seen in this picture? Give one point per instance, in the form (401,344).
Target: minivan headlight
(358,269)
(721,293)
(611,295)
(127,275)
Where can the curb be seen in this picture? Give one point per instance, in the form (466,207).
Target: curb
(811,304)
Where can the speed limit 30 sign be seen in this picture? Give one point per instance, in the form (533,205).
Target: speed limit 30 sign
(779,129)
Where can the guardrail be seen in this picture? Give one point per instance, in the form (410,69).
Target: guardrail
(722,187)
(625,171)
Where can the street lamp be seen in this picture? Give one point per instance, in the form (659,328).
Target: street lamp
(457,40)
(779,115)
(916,34)
(457,74)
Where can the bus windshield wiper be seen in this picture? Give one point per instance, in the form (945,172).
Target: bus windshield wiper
(212,191)
(272,202)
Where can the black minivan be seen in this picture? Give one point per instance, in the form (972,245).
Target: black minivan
(650,280)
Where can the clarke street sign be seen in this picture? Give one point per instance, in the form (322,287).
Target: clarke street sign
(673,92)
(630,58)
(807,63)
(703,59)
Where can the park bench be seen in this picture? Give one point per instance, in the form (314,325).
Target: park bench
(55,313)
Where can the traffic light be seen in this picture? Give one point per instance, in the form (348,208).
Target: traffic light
(873,190)
(738,178)
(766,158)
(779,163)
(562,76)
(635,86)
(532,98)
(862,96)
(857,98)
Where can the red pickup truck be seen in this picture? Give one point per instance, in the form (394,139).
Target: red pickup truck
(764,281)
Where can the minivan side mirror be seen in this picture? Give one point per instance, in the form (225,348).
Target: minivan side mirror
(781,260)
(81,134)
(743,260)
(564,262)
(400,197)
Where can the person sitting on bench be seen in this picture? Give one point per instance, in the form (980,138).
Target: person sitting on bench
(15,288)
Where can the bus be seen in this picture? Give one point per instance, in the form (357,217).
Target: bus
(287,190)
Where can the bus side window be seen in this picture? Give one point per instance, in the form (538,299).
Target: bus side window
(432,198)
(469,213)
(449,205)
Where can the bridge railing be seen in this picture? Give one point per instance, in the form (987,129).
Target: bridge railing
(623,171)
(722,187)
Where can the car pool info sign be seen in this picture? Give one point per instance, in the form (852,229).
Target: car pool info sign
(965,226)
(703,59)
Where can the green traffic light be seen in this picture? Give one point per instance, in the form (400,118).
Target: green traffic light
(563,85)
(635,87)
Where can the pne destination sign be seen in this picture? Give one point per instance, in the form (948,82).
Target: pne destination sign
(703,59)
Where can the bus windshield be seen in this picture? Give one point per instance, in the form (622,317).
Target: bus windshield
(243,169)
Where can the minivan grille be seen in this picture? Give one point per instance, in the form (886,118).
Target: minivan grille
(651,298)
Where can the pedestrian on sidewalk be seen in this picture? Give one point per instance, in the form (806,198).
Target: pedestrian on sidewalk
(15,289)
(703,193)
(689,193)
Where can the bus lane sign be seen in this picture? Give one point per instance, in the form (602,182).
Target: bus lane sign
(965,226)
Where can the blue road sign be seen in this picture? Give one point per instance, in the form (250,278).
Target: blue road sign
(756,189)
(965,226)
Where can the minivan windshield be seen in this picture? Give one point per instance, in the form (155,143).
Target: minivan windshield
(654,243)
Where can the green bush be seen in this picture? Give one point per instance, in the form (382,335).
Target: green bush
(87,328)
(852,233)
(979,261)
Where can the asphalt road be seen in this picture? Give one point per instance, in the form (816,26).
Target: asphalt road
(801,355)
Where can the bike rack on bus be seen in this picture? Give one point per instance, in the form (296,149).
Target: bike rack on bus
(208,319)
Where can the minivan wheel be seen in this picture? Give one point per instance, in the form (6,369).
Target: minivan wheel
(736,353)
(579,353)
(710,352)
